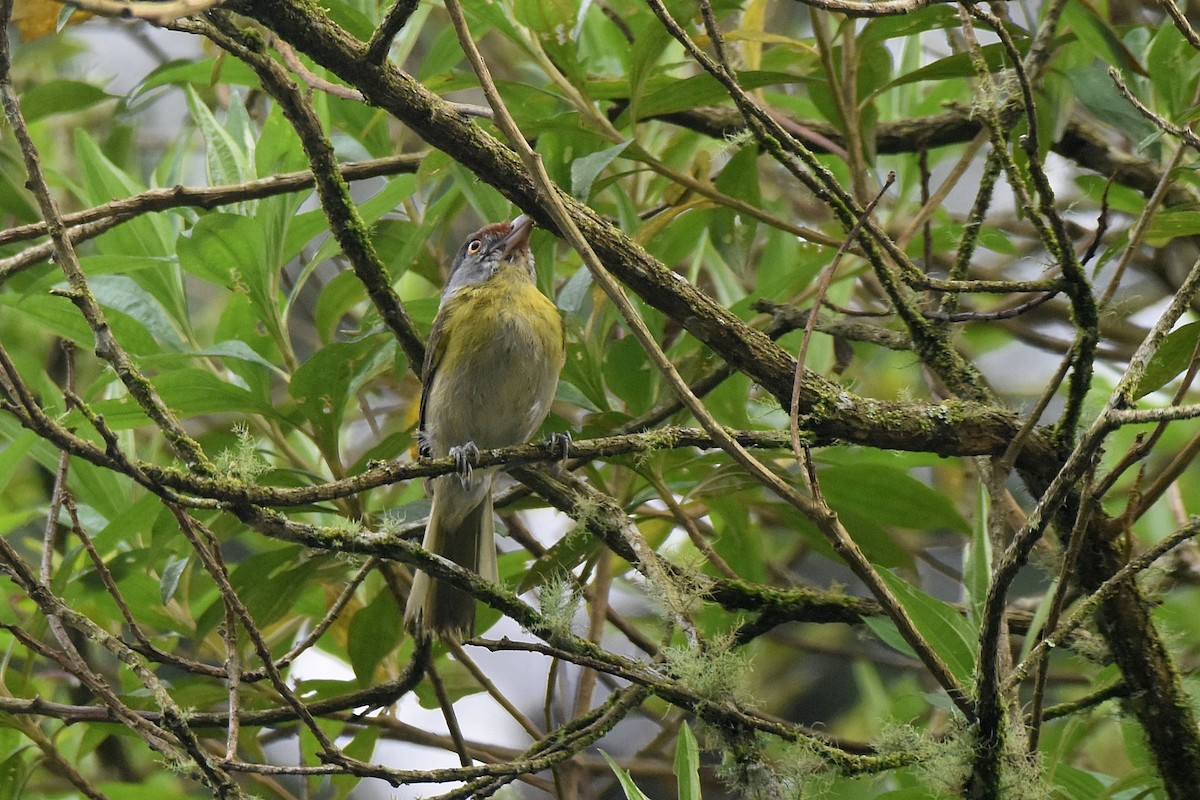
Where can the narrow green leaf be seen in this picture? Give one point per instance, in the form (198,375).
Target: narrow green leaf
(60,97)
(189,392)
(1099,36)
(687,764)
(149,235)
(903,25)
(338,296)
(231,348)
(628,375)
(15,199)
(230,250)
(362,748)
(193,392)
(897,498)
(585,170)
(47,313)
(199,72)
(327,381)
(1173,357)
(13,453)
(225,159)
(1168,57)
(978,567)
(170,578)
(123,294)
(370,210)
(375,631)
(671,94)
(564,556)
(457,680)
(1173,224)
(1030,640)
(632,792)
(946,631)
(886,631)
(1094,88)
(1072,783)
(958,65)
(270,584)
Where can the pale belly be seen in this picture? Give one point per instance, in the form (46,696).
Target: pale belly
(511,383)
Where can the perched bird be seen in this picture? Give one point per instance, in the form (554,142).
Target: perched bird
(490,372)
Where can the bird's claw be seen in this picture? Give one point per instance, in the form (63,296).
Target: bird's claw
(465,456)
(559,444)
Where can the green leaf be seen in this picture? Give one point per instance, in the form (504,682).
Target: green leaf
(60,97)
(226,159)
(270,585)
(148,235)
(1099,37)
(193,392)
(190,392)
(151,785)
(375,631)
(199,72)
(278,148)
(1173,357)
(897,498)
(457,680)
(230,250)
(170,577)
(958,65)
(15,199)
(1040,615)
(668,94)
(231,348)
(1094,88)
(687,764)
(731,233)
(919,21)
(327,381)
(342,293)
(394,192)
(123,294)
(1172,224)
(947,632)
(628,374)
(13,453)
(978,561)
(563,556)
(547,17)
(632,792)
(1072,783)
(584,170)
(362,748)
(1168,58)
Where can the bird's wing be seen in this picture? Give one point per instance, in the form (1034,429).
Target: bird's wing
(434,351)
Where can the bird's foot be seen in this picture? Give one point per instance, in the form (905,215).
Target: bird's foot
(559,444)
(465,456)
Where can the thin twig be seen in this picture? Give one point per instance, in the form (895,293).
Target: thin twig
(154,11)
(811,323)
(393,22)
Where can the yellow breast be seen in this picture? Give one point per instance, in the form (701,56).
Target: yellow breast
(506,312)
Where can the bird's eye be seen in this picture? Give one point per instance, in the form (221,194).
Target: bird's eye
(474,247)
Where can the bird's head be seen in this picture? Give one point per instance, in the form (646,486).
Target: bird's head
(490,247)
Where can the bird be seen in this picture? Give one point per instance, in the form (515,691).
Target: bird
(491,370)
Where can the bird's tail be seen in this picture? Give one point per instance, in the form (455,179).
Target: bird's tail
(460,529)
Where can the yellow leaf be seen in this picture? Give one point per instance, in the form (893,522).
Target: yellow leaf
(37,18)
(752,22)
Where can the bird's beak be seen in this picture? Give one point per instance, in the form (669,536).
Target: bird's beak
(517,238)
